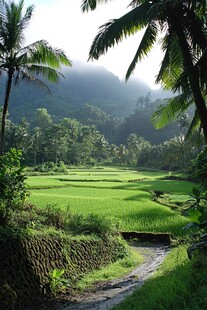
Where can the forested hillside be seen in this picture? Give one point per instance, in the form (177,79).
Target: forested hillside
(82,84)
(92,96)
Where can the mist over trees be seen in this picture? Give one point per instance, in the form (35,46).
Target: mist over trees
(82,84)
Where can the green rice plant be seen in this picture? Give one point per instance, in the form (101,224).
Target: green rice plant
(134,210)
(166,186)
(129,203)
(113,175)
(43,182)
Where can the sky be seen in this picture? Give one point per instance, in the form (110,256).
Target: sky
(63,25)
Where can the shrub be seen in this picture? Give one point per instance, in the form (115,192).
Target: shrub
(198,169)
(13,191)
(197,211)
(55,216)
(92,224)
(77,224)
(51,167)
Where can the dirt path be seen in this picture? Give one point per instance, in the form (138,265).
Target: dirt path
(108,294)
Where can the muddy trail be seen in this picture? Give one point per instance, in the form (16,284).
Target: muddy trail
(106,295)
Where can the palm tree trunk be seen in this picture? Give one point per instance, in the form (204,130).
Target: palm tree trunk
(193,78)
(5,109)
(200,103)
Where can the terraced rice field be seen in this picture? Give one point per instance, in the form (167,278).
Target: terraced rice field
(122,194)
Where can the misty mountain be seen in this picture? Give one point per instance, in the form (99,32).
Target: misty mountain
(83,83)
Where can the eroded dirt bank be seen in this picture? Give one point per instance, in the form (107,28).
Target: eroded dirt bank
(108,294)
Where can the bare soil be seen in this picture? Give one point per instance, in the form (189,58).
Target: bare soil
(106,295)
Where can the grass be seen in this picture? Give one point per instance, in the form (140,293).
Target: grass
(179,284)
(129,203)
(113,271)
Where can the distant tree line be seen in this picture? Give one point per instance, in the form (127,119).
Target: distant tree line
(70,142)
(116,129)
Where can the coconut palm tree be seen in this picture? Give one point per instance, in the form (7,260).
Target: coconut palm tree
(20,62)
(182,25)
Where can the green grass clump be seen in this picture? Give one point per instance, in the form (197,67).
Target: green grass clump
(179,284)
(113,271)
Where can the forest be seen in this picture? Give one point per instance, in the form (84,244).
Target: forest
(95,138)
(103,184)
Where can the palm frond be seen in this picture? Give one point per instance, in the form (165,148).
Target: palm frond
(202,66)
(135,3)
(164,66)
(195,124)
(43,71)
(200,7)
(41,52)
(181,84)
(115,30)
(171,66)
(25,76)
(13,23)
(88,5)
(146,44)
(195,27)
(2,50)
(165,114)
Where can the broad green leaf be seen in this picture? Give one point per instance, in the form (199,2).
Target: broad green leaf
(194,215)
(58,273)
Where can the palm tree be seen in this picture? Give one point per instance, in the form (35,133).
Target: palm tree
(21,62)
(182,25)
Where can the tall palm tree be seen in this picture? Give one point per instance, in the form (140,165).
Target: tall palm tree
(182,25)
(21,62)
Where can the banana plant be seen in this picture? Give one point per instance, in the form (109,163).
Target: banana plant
(197,213)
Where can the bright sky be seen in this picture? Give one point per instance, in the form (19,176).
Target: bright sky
(63,25)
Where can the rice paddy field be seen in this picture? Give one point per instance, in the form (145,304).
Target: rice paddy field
(124,195)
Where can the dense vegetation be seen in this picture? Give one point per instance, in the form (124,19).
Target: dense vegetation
(71,193)
(52,144)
